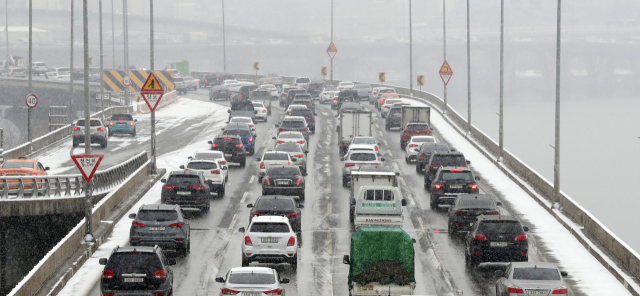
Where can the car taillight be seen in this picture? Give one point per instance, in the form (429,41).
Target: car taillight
(267,182)
(239,145)
(169,187)
(406,139)
(226,291)
(227,138)
(349,164)
(515,290)
(247,241)
(438,186)
(292,241)
(215,172)
(75,128)
(107,294)
(482,238)
(101,128)
(264,110)
(413,145)
(299,155)
(461,212)
(111,123)
(250,139)
(473,186)
(289,163)
(179,225)
(160,274)
(197,187)
(373,94)
(522,237)
(281,129)
(299,182)
(108,274)
(137,224)
(375,164)
(562,290)
(335,100)
(422,156)
(223,162)
(434,166)
(131,123)
(196,81)
(303,129)
(386,107)
(34,174)
(301,142)
(262,165)
(279,141)
(256,214)
(214,145)
(292,215)
(184,82)
(492,213)
(311,117)
(205,80)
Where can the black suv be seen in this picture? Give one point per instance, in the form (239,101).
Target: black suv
(219,92)
(231,146)
(425,151)
(275,205)
(466,209)
(207,80)
(453,159)
(394,118)
(308,115)
(496,238)
(291,94)
(283,180)
(449,182)
(187,189)
(315,88)
(137,270)
(160,225)
(303,99)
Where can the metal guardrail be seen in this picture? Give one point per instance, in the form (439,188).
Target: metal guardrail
(68,185)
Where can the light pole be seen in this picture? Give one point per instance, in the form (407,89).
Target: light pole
(501,114)
(153,113)
(331,65)
(101,63)
(30,66)
(125,28)
(224,45)
(556,167)
(6,32)
(71,71)
(87,131)
(468,74)
(113,37)
(410,52)
(444,39)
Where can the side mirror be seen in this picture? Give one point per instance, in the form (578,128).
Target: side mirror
(277,125)
(209,142)
(103,261)
(47,168)
(249,205)
(564,273)
(241,229)
(228,111)
(349,184)
(499,204)
(257,158)
(526,229)
(315,114)
(337,116)
(224,167)
(352,201)
(300,206)
(284,281)
(306,151)
(345,259)
(273,138)
(468,162)
(294,158)
(191,157)
(453,149)
(135,120)
(413,240)
(499,273)
(477,178)
(220,280)
(222,129)
(404,202)
(382,159)
(182,167)
(171,261)
(415,149)
(132,216)
(163,180)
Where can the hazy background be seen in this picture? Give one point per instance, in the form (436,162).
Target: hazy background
(600,67)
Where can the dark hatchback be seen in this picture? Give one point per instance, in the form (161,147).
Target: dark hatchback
(219,92)
(207,80)
(244,131)
(467,208)
(496,238)
(308,115)
(292,94)
(394,118)
(161,225)
(232,148)
(453,159)
(315,88)
(283,180)
(425,151)
(450,182)
(187,189)
(137,271)
(274,205)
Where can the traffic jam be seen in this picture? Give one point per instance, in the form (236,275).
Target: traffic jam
(362,125)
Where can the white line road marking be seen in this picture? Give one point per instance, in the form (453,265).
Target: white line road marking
(411,201)
(402,181)
(385,142)
(329,208)
(244,197)
(380,133)
(377,125)
(253,178)
(421,224)
(233,222)
(389,152)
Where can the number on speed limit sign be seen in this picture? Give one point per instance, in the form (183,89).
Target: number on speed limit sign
(32,101)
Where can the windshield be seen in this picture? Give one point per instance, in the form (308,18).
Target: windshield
(536,274)
(157,215)
(364,141)
(276,156)
(202,165)
(251,278)
(269,227)
(292,123)
(452,176)
(183,180)
(18,165)
(362,157)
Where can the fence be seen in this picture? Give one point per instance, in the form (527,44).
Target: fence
(57,117)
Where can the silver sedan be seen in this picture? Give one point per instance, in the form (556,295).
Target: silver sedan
(531,278)
(252,280)
(297,154)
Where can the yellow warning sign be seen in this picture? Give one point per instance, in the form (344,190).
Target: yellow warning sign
(381,76)
(323,71)
(256,66)
(151,84)
(445,69)
(420,80)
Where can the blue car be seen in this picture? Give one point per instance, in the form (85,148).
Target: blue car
(244,131)
(122,124)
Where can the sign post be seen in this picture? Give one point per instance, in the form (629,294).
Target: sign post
(152,92)
(332,50)
(32,102)
(87,165)
(420,81)
(445,74)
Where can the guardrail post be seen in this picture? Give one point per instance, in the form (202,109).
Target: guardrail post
(67,188)
(20,188)
(5,189)
(58,186)
(34,188)
(78,186)
(47,187)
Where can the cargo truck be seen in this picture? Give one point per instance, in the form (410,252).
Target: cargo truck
(353,123)
(182,67)
(415,122)
(363,183)
(381,262)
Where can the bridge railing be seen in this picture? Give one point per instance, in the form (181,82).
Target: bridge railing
(68,185)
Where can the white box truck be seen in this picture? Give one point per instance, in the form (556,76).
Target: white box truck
(420,114)
(353,123)
(363,183)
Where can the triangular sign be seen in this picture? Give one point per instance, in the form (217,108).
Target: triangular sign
(87,164)
(445,72)
(152,99)
(332,50)
(152,84)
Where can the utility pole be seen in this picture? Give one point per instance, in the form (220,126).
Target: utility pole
(87,130)
(30,66)
(153,113)
(101,63)
(113,37)
(556,166)
(224,44)
(125,28)
(71,71)
(468,74)
(501,114)
(444,39)
(410,52)
(331,40)
(6,31)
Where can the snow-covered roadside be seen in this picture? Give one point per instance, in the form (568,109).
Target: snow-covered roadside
(588,273)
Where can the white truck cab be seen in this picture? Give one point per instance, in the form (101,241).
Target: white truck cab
(378,205)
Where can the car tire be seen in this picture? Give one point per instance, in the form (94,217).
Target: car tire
(109,133)
(75,144)
(351,216)
(302,197)
(133,134)
(449,229)
(221,192)
(386,127)
(245,261)
(243,163)
(265,119)
(433,204)
(407,160)
(419,169)
(294,262)
(344,182)
(104,144)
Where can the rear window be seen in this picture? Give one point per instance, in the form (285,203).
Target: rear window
(125,117)
(378,195)
(293,123)
(181,180)
(302,80)
(423,140)
(157,215)
(242,133)
(202,165)
(452,176)
(385,91)
(289,148)
(276,156)
(284,171)
(391,102)
(252,278)
(91,123)
(303,97)
(179,79)
(364,141)
(395,110)
(270,204)
(448,160)
(493,227)
(40,64)
(476,203)
(17,165)
(232,141)
(536,274)
(291,136)
(417,126)
(362,157)
(269,227)
(301,112)
(208,155)
(362,86)
(134,262)
(258,105)
(240,119)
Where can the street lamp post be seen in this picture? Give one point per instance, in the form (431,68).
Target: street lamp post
(6,32)
(224,44)
(410,52)
(87,130)
(444,39)
(556,167)
(331,41)
(113,37)
(30,67)
(153,113)
(125,28)
(101,63)
(501,113)
(468,74)
(71,70)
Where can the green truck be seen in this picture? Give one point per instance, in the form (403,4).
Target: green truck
(182,67)
(381,262)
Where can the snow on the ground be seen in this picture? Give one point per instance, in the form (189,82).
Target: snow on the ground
(589,275)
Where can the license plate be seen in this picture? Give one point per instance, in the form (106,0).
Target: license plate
(455,186)
(251,293)
(282,183)
(538,292)
(228,155)
(269,240)
(133,280)
(499,244)
(184,193)
(156,228)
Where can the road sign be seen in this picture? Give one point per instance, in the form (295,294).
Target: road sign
(256,66)
(90,61)
(152,92)
(445,72)
(381,76)
(420,80)
(32,101)
(332,50)
(323,71)
(87,164)
(126,80)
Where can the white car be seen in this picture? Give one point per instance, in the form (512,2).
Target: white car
(386,107)
(345,85)
(252,281)
(354,159)
(268,238)
(247,120)
(231,82)
(292,137)
(273,89)
(361,147)
(410,152)
(327,95)
(292,106)
(213,171)
(300,82)
(365,141)
(210,155)
(39,68)
(262,111)
(272,158)
(191,82)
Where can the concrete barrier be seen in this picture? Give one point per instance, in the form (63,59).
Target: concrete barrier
(167,98)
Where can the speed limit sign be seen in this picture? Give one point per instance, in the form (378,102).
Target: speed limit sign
(126,80)
(32,101)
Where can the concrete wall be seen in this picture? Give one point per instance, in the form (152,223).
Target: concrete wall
(167,98)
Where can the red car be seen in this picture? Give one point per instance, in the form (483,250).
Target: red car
(414,129)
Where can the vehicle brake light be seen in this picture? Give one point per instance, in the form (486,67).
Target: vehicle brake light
(480,237)
(250,139)
(131,123)
(256,214)
(301,142)
(473,186)
(281,129)
(376,147)
(274,292)
(267,182)
(107,294)
(413,145)
(226,291)
(292,241)
(522,237)
(179,225)
(111,123)
(247,241)
(434,166)
(216,172)
(196,81)
(169,187)
(223,162)
(184,82)
(289,163)
(198,188)
(456,171)
(227,138)
(101,128)
(515,290)
(137,224)
(461,212)
(386,107)
(422,156)
(108,274)
(299,155)
(292,215)
(562,290)
(303,130)
(214,145)
(262,165)
(239,145)
(349,164)
(279,141)
(251,125)
(438,186)
(375,164)
(264,110)
(75,128)
(492,213)
(406,139)
(335,100)
(160,274)
(299,182)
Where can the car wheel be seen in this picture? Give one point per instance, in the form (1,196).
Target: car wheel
(243,163)
(221,192)
(75,144)
(302,197)
(109,133)
(245,261)
(449,229)
(104,144)
(344,182)
(265,119)
(419,169)
(294,262)
(351,216)
(406,160)
(433,204)
(133,134)
(386,127)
